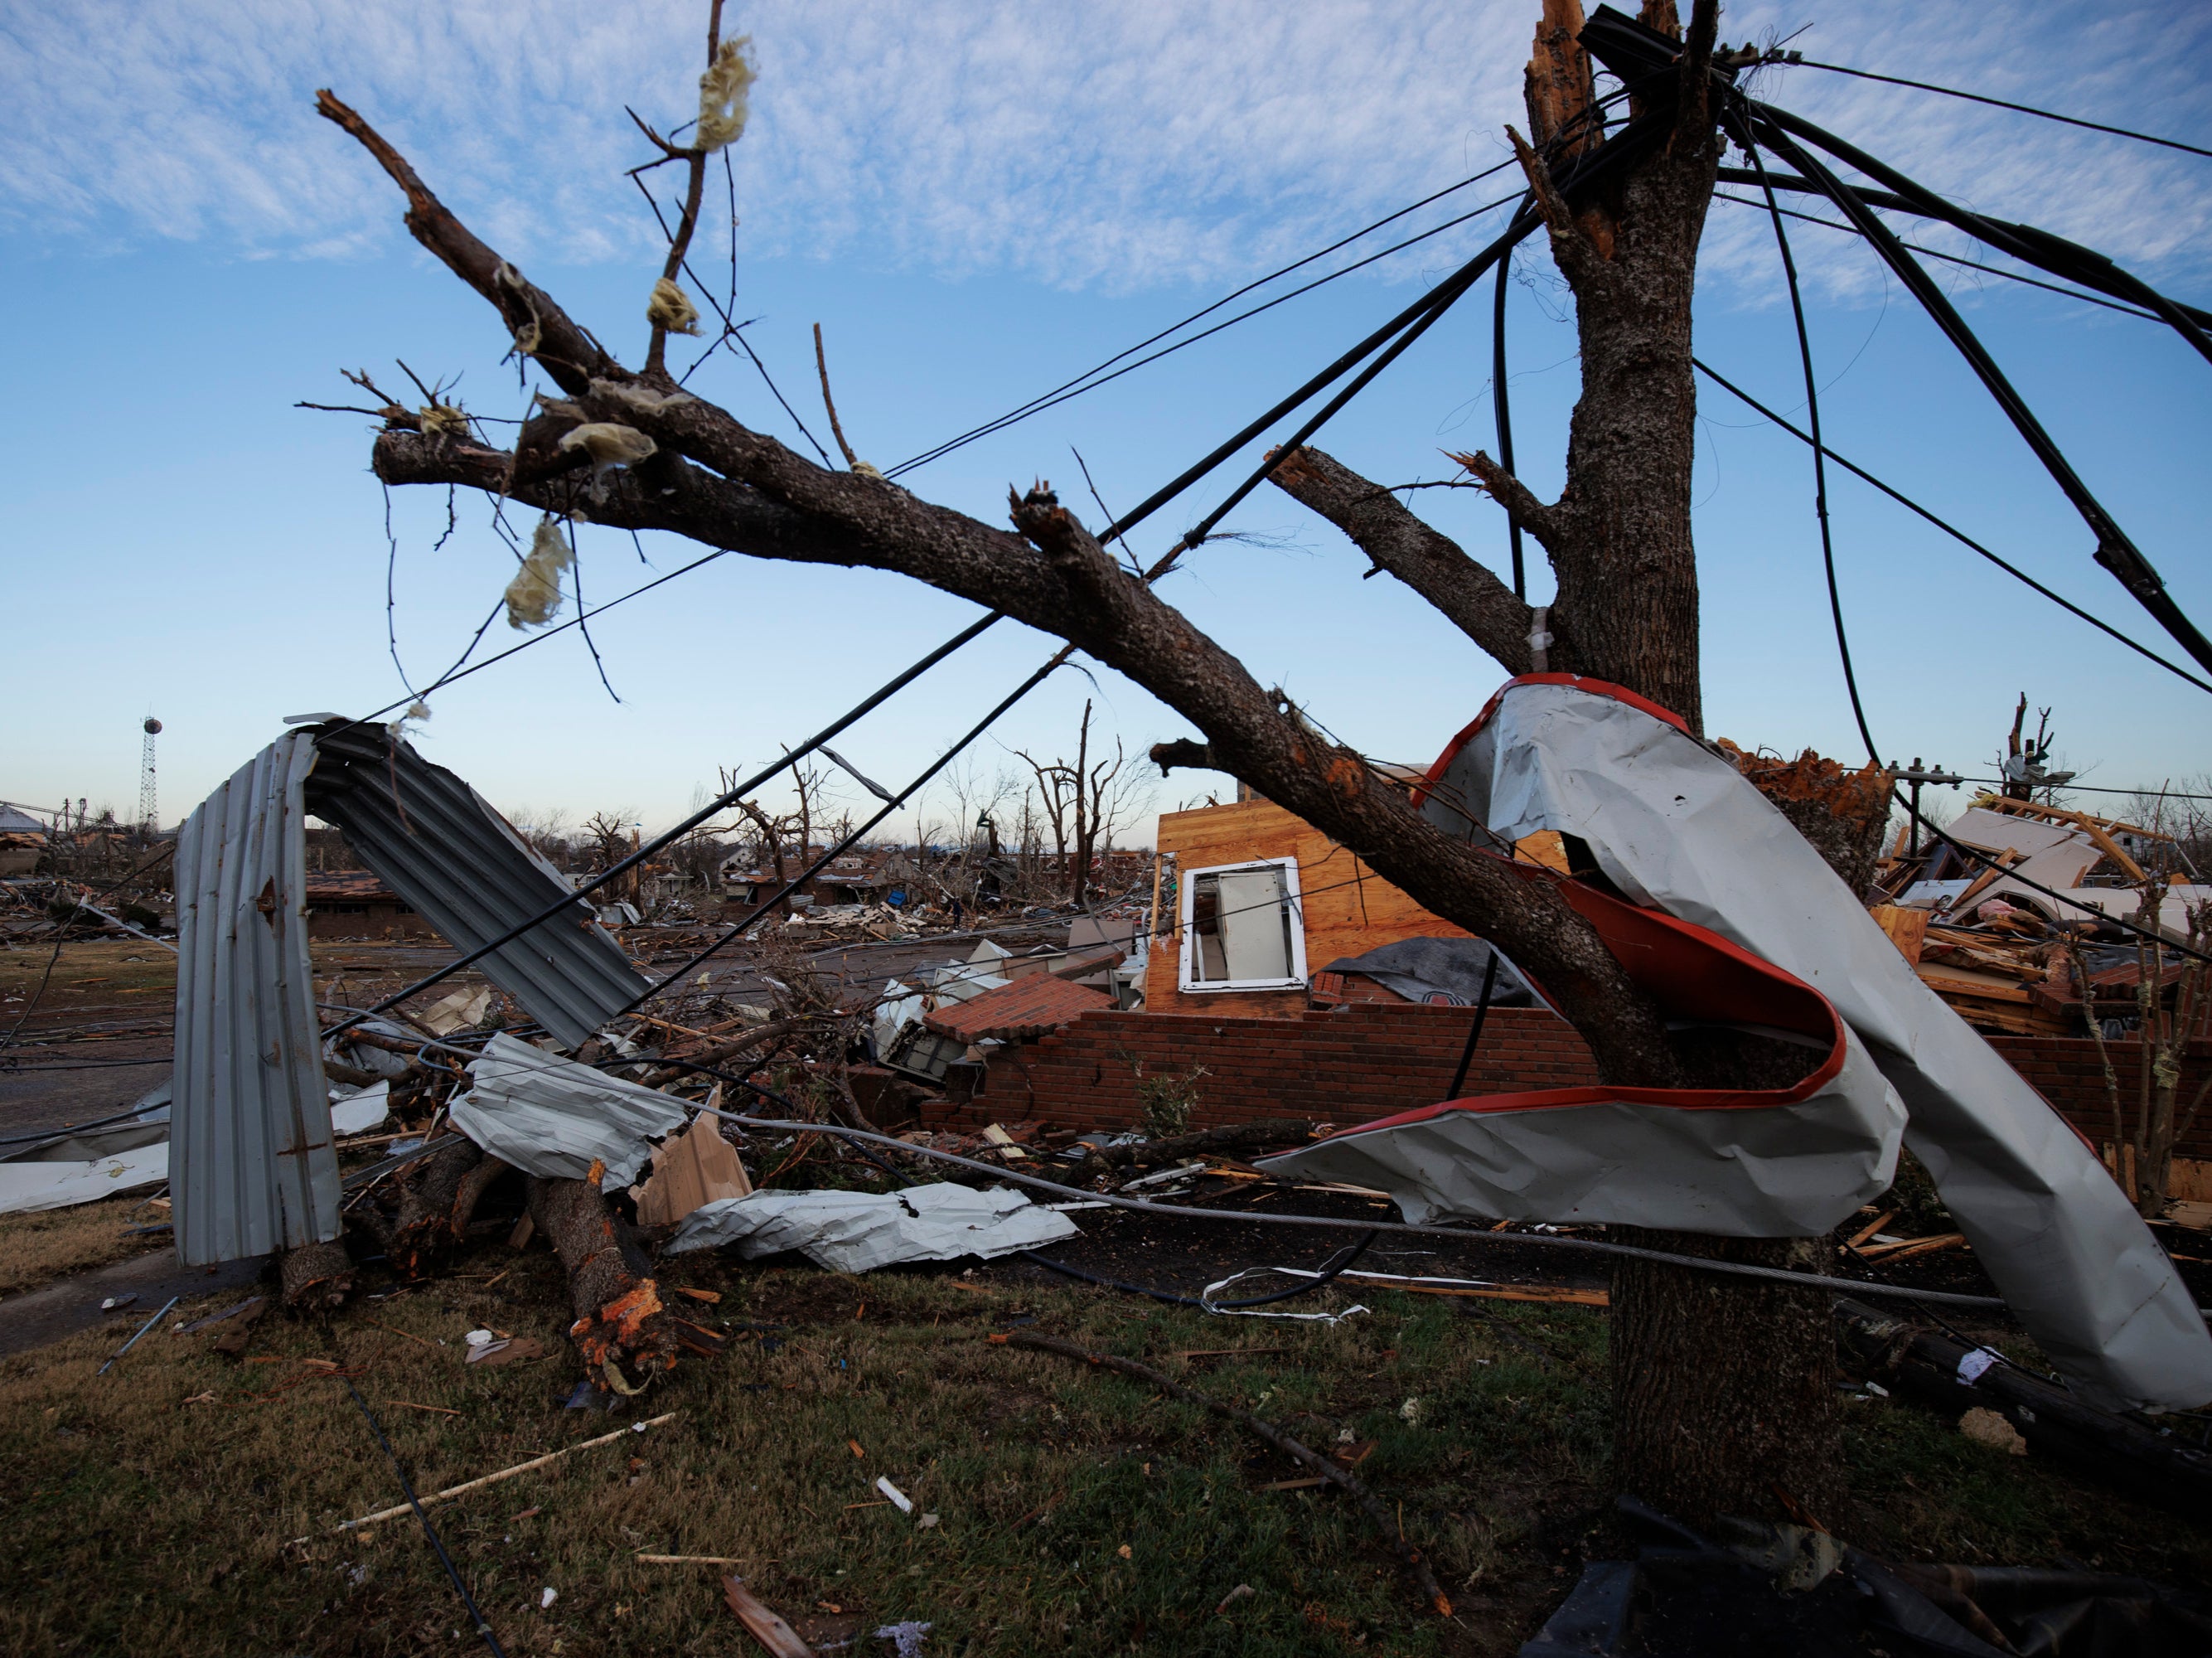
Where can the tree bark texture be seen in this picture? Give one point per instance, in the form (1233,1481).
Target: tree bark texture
(316,1277)
(622,1331)
(1724,1389)
(422,1231)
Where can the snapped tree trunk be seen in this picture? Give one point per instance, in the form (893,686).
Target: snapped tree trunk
(623,1333)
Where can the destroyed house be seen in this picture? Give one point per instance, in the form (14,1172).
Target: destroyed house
(354,904)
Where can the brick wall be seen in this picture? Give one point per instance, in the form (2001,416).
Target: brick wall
(1347,1065)
(1354,1064)
(2066,1071)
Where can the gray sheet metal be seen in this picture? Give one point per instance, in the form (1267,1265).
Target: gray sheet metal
(551,1117)
(252,1168)
(1676,826)
(436,842)
(859,1231)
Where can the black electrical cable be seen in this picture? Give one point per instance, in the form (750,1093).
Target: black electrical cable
(476,1618)
(1474,1033)
(2024,242)
(654,847)
(1502,405)
(1631,138)
(2001,103)
(1044,398)
(850,840)
(1820,452)
(2114,550)
(1927,253)
(1951,530)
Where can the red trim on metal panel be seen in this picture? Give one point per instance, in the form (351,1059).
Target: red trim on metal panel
(1619,694)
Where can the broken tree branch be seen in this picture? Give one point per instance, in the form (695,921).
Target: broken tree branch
(1334,1472)
(1470,597)
(836,429)
(742,490)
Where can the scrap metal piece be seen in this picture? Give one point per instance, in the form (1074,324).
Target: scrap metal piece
(554,1117)
(437,843)
(859,1231)
(252,1166)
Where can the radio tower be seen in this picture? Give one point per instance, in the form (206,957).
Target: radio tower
(149,812)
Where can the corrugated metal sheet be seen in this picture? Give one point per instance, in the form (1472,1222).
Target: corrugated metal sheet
(439,846)
(552,1117)
(252,1168)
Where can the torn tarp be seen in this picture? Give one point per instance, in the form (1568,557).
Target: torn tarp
(1676,826)
(552,1117)
(859,1231)
(1444,971)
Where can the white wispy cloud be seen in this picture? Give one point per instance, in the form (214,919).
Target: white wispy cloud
(1117,146)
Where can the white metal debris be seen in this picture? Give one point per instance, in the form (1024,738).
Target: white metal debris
(859,1231)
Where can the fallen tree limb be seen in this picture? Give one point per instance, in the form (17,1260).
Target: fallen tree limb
(423,1229)
(1414,1561)
(621,1326)
(1924,1366)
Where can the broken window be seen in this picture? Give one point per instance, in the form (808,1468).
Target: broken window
(1242,927)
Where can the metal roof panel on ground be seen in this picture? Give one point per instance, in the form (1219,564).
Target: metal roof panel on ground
(438,845)
(253,1165)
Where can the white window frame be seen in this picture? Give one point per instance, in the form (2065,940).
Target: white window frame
(1187,980)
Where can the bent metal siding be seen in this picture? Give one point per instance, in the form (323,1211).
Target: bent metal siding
(252,1168)
(434,841)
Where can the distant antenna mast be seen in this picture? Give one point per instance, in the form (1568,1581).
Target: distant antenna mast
(149,809)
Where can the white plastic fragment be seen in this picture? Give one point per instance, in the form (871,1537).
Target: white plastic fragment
(1974,1365)
(548,1598)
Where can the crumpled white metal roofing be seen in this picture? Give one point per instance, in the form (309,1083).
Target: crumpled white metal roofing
(252,1165)
(859,1231)
(436,842)
(552,1117)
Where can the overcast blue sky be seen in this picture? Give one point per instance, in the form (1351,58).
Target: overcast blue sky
(975,202)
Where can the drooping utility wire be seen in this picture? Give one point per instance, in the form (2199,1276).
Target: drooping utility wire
(2024,242)
(1085,382)
(476,1617)
(1949,529)
(2114,550)
(1820,456)
(1501,404)
(1928,253)
(1077,388)
(857,835)
(660,842)
(2000,103)
(1039,401)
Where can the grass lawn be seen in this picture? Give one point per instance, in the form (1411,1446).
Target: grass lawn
(155,1510)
